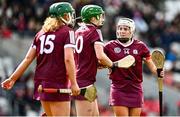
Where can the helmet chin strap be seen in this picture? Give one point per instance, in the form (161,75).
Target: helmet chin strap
(99,27)
(124,40)
(70,23)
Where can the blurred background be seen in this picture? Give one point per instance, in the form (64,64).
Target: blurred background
(157,24)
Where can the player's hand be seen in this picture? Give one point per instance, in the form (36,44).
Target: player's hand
(110,71)
(162,73)
(101,66)
(7,84)
(75,89)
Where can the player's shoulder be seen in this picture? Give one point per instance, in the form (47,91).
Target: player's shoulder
(91,26)
(64,29)
(85,27)
(82,28)
(139,42)
(111,42)
(38,34)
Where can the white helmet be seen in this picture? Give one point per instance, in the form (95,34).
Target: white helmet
(127,22)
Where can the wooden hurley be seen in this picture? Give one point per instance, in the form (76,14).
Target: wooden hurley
(89,92)
(158,58)
(126,62)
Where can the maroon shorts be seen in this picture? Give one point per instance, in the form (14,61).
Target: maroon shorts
(126,93)
(50,96)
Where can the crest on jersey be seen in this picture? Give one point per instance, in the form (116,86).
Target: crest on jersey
(126,50)
(117,50)
(135,51)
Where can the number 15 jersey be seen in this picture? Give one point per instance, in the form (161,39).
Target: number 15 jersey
(50,53)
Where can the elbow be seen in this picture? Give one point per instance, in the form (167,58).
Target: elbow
(68,60)
(101,58)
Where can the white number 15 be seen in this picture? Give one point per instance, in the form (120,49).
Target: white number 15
(47,41)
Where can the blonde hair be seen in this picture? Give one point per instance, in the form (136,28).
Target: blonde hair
(51,24)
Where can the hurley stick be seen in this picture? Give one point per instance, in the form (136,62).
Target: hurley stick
(158,59)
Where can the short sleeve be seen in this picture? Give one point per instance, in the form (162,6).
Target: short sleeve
(97,36)
(106,50)
(70,39)
(34,43)
(145,52)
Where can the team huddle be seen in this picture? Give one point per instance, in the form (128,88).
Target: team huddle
(68,58)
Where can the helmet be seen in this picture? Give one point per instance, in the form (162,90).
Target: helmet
(126,22)
(89,11)
(59,9)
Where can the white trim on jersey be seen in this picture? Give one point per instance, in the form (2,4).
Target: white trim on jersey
(125,45)
(100,43)
(33,46)
(69,46)
(100,34)
(71,35)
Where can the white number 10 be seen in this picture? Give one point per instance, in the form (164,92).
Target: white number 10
(46,41)
(79,41)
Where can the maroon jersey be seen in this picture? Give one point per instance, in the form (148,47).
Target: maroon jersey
(50,54)
(116,50)
(85,57)
(126,86)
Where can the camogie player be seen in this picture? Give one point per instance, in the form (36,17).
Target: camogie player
(126,95)
(53,48)
(89,50)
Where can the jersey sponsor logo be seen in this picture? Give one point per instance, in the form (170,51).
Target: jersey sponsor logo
(117,50)
(126,50)
(135,51)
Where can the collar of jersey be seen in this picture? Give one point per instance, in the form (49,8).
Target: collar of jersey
(90,25)
(125,45)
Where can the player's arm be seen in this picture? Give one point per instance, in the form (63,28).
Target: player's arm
(8,83)
(148,61)
(102,57)
(70,69)
(70,64)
